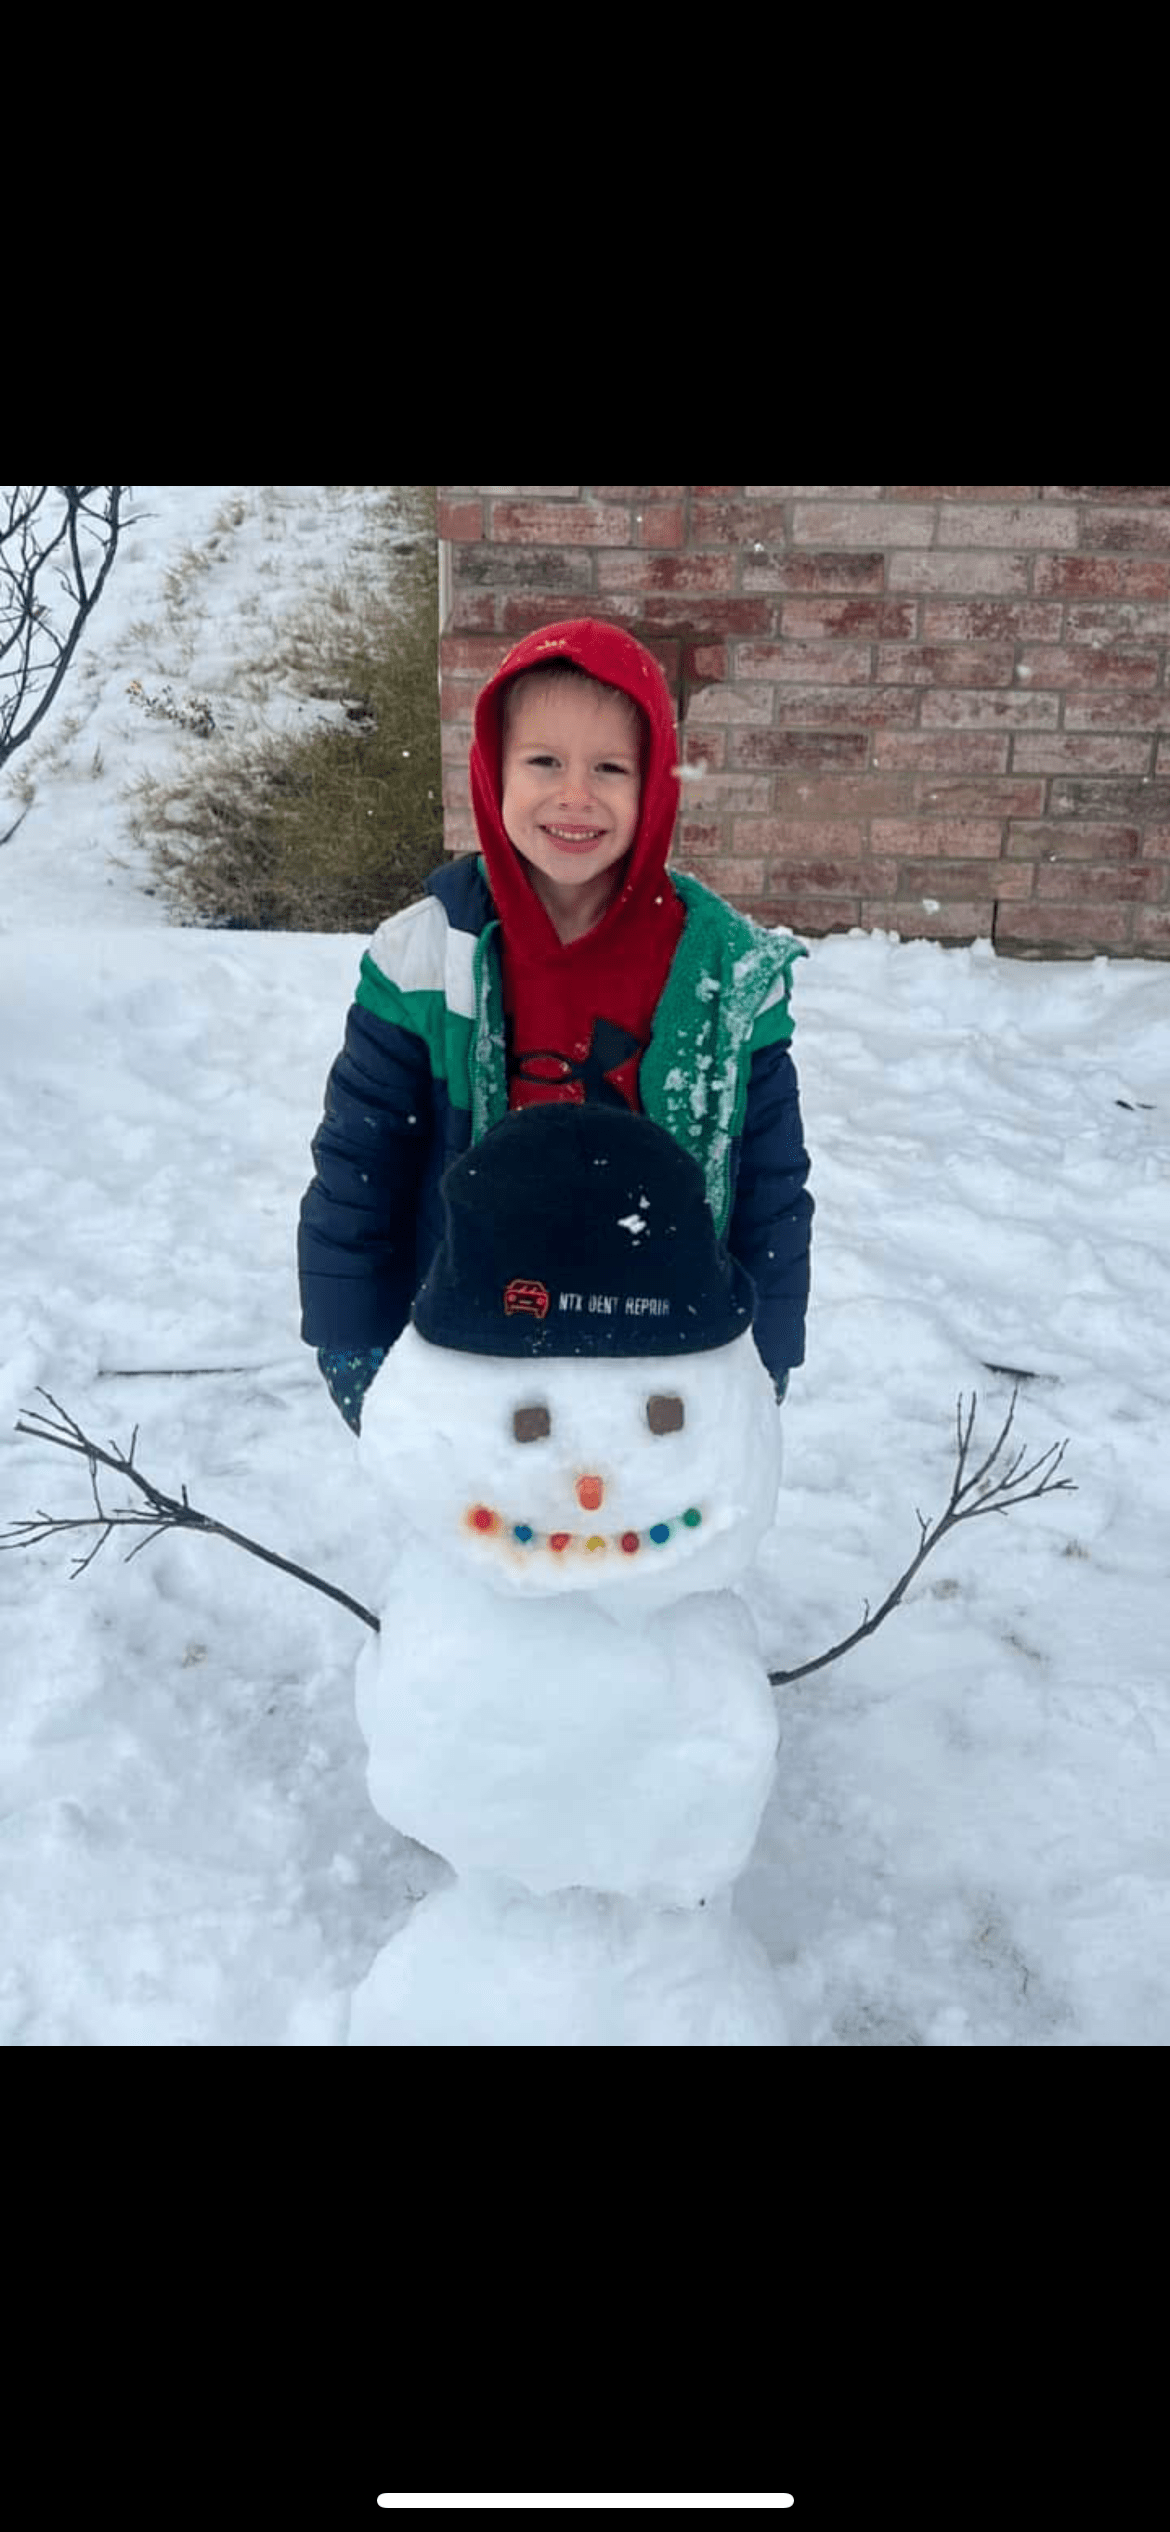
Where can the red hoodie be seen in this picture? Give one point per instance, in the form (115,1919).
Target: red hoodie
(580,1013)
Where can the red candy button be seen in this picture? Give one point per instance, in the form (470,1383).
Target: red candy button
(482,1519)
(559,1539)
(630,1542)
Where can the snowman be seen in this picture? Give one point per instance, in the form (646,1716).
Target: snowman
(574,1449)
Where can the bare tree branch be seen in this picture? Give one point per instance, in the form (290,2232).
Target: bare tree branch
(999,1495)
(970,1497)
(27,546)
(167,1512)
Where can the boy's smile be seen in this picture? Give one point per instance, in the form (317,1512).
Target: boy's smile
(571,793)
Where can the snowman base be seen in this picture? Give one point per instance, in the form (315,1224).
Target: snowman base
(486,1963)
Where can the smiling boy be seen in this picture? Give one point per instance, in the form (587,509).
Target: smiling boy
(564,964)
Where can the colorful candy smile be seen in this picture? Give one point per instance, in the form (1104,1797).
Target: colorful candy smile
(491,1524)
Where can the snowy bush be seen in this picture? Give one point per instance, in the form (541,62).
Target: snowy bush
(333,830)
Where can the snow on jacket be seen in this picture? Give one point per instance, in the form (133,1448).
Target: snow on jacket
(423,1073)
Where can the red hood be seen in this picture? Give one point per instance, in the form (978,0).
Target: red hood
(606,652)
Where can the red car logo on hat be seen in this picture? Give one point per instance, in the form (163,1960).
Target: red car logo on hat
(524,1296)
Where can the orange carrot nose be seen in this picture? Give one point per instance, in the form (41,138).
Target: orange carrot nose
(589,1493)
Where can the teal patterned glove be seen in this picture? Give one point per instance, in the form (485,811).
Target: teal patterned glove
(347,1375)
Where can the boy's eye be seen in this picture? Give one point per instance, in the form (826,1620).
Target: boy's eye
(531,1424)
(607,768)
(665,1415)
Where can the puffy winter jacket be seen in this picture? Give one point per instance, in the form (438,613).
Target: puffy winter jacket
(422,1074)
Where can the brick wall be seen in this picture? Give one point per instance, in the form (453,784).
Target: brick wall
(936,709)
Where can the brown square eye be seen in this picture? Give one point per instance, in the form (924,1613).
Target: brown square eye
(530,1424)
(665,1415)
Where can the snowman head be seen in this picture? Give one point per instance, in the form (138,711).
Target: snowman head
(633,1475)
(579,1404)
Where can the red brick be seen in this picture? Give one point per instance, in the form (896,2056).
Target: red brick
(1151,929)
(955,798)
(964,880)
(971,922)
(814,750)
(639,492)
(703,661)
(1157,494)
(989,620)
(827,572)
(1118,623)
(457,700)
(851,523)
(962,836)
(695,838)
(521,569)
(739,878)
(795,838)
(661,525)
(1055,838)
(1163,764)
(805,663)
(937,751)
(1111,883)
(1124,531)
(1025,523)
(710,618)
(1082,755)
(729,489)
(727,792)
(536,492)
(962,492)
(464,655)
(460,834)
(1088,576)
(522,614)
(845,619)
(818,492)
(962,575)
(666,571)
(953,664)
(455,737)
(472,611)
(462,519)
(812,918)
(1156,841)
(1134,712)
(989,711)
(737,523)
(704,747)
(1082,929)
(843,708)
(734,704)
(567,523)
(456,793)
(841,796)
(1146,803)
(1053,665)
(825,877)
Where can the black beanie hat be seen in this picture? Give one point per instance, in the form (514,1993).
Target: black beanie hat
(580,1230)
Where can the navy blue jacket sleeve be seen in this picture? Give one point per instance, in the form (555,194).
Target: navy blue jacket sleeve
(356,1244)
(771,1219)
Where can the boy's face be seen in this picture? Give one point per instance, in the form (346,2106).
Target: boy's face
(571,783)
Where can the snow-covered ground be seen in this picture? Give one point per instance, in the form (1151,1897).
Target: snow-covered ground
(969,1837)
